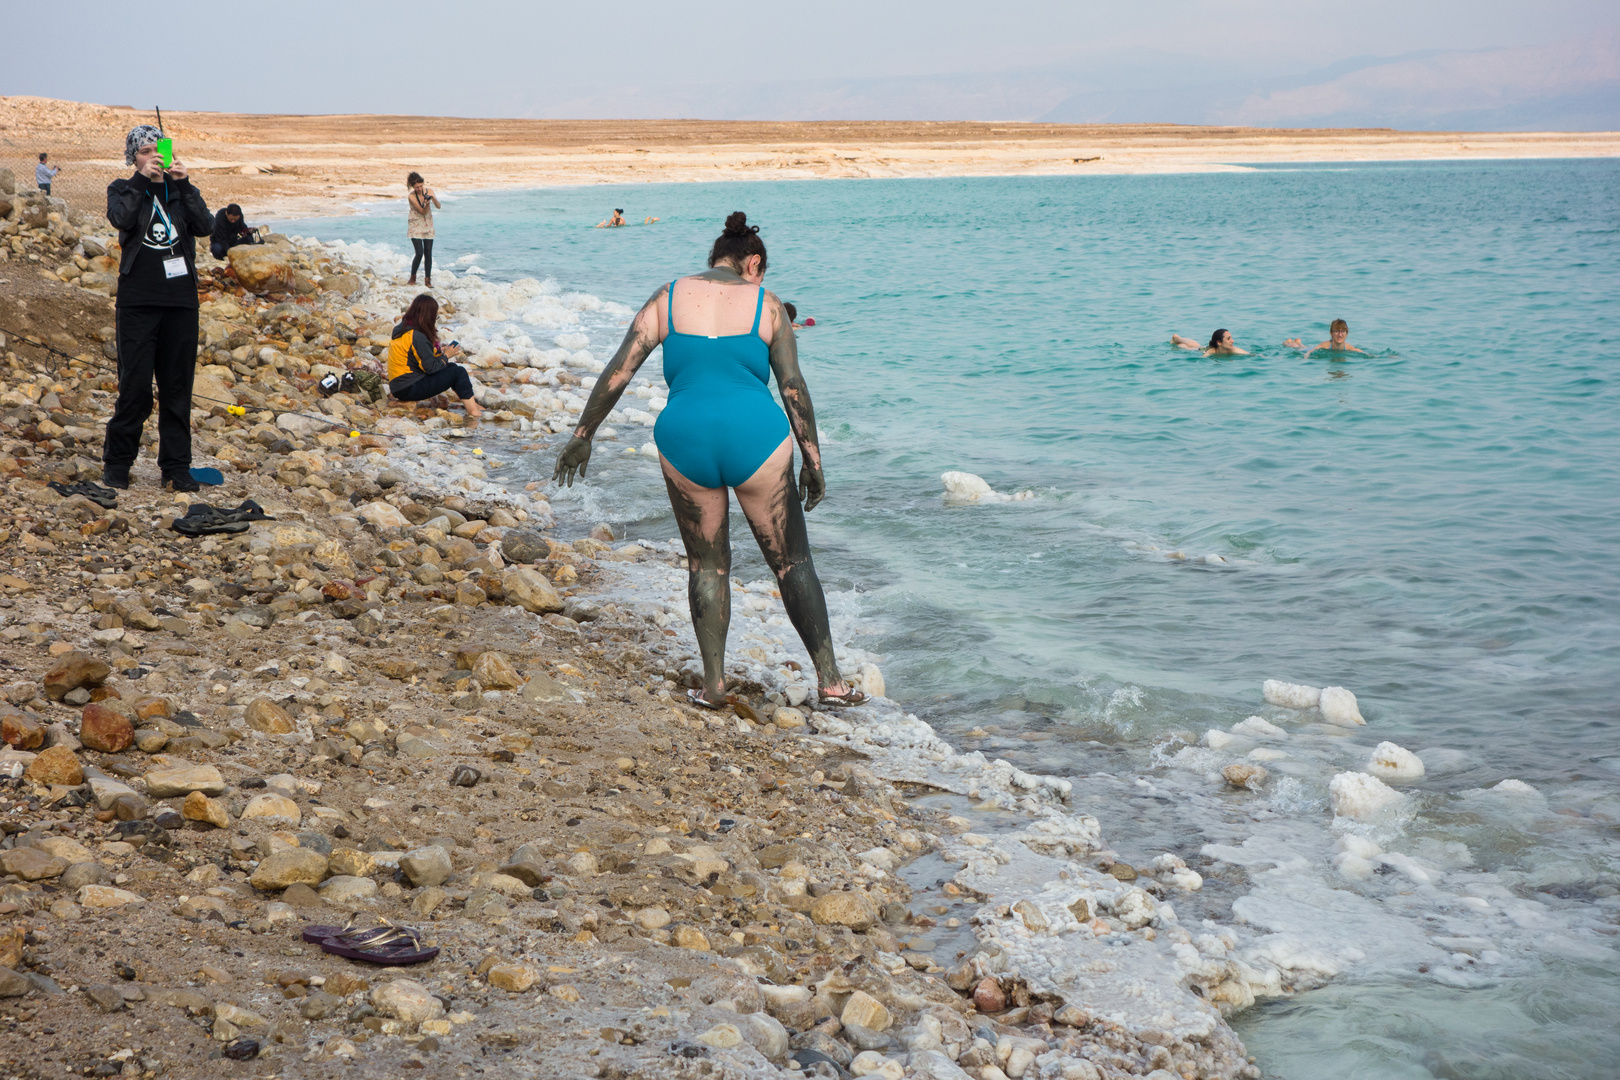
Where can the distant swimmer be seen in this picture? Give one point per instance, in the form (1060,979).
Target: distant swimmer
(793,316)
(613,222)
(1338,341)
(1220,344)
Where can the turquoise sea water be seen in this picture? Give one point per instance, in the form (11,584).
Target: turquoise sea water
(1434,525)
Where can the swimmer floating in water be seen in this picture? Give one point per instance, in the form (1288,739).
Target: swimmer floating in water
(1220,344)
(793,316)
(613,222)
(1338,341)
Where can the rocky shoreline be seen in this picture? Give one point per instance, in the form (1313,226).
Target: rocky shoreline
(405,698)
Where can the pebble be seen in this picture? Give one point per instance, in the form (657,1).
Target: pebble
(722,1037)
(294,866)
(106,896)
(514,978)
(183,780)
(852,909)
(268,809)
(407,1001)
(864,1010)
(872,1063)
(426,866)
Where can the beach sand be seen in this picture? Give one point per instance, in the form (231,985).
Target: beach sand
(295,166)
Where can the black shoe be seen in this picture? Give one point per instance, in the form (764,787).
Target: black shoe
(181,482)
(115,478)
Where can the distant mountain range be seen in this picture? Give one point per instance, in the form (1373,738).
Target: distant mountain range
(1571,85)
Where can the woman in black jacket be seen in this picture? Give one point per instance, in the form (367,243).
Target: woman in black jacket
(158,214)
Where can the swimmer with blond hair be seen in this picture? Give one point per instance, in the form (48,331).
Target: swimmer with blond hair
(1220,344)
(1338,341)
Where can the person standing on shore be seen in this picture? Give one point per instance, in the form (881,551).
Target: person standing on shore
(159,214)
(722,430)
(419,225)
(45,175)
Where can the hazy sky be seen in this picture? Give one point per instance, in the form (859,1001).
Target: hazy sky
(504,57)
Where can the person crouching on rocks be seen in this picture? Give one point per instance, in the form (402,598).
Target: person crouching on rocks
(418,367)
(158,214)
(231,230)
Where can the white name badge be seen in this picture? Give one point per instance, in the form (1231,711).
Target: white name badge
(175,267)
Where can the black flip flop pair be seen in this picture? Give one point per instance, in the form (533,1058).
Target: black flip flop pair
(106,498)
(202,519)
(385,944)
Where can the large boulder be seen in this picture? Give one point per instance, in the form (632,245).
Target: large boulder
(524,546)
(262,268)
(208,391)
(530,590)
(347,284)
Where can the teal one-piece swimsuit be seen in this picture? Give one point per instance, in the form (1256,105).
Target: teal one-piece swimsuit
(721,422)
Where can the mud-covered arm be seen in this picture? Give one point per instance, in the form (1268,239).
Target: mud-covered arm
(644,335)
(796,400)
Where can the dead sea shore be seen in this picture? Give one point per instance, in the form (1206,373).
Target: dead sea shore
(303,166)
(409,698)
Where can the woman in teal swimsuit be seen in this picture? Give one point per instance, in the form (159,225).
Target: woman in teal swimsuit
(723,335)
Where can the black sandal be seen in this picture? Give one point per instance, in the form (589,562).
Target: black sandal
(696,698)
(202,519)
(106,498)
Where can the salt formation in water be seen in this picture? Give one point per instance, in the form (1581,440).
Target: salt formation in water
(1338,706)
(1290,695)
(869,680)
(1515,787)
(1358,857)
(1360,797)
(1391,762)
(964,487)
(1216,739)
(1258,727)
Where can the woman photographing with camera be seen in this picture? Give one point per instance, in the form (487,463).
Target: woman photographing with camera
(419,225)
(723,336)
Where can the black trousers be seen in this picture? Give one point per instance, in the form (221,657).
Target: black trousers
(450,377)
(424,250)
(154,344)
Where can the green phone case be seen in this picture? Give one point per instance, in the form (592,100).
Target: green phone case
(166,148)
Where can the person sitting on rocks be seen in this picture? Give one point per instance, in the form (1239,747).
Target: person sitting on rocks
(418,367)
(230,231)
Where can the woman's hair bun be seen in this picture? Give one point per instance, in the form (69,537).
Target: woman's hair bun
(737,225)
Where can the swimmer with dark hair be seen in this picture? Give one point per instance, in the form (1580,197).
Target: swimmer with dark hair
(793,316)
(613,222)
(1338,341)
(1220,344)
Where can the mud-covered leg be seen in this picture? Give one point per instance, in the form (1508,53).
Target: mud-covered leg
(770,500)
(703,517)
